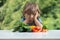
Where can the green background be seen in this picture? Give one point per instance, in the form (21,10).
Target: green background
(11,12)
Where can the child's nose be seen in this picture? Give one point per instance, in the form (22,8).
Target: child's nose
(31,16)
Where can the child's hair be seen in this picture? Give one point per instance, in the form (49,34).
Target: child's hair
(30,8)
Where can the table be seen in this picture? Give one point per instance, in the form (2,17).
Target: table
(50,34)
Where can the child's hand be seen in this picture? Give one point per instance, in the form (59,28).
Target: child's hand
(26,19)
(36,15)
(26,16)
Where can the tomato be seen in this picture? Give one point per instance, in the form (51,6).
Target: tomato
(37,29)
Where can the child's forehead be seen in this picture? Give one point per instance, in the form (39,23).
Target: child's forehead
(31,11)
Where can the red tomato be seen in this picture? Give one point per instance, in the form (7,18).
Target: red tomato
(37,29)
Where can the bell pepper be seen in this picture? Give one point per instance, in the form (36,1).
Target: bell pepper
(32,27)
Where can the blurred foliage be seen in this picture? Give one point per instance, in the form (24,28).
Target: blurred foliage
(11,12)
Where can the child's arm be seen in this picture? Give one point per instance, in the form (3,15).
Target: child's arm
(36,21)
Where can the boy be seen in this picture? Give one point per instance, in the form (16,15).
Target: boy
(31,15)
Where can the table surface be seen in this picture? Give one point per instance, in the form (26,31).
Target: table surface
(50,34)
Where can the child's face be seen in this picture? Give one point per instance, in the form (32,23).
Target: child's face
(31,16)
